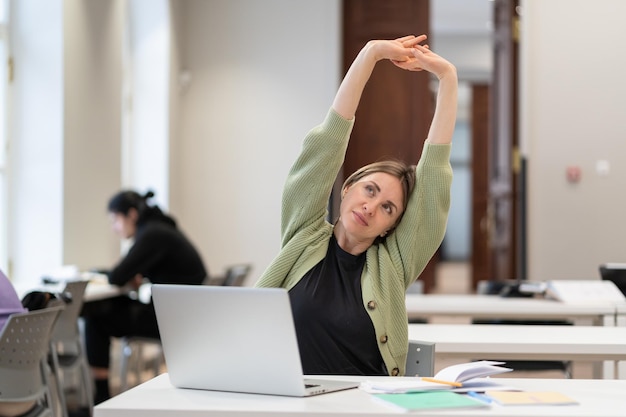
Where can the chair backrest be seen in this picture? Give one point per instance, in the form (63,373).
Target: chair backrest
(66,328)
(616,273)
(421,358)
(24,344)
(236,275)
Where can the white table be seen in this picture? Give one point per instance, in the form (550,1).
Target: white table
(524,342)
(473,306)
(620,317)
(158,398)
(97,289)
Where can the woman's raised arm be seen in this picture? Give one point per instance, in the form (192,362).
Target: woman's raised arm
(349,93)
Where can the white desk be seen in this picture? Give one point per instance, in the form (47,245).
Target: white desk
(97,289)
(157,398)
(527,342)
(495,307)
(620,317)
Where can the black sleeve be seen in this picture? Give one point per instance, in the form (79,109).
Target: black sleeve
(147,250)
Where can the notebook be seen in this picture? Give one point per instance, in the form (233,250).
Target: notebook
(238,339)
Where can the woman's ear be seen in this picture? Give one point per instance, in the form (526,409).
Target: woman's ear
(344,191)
(133,214)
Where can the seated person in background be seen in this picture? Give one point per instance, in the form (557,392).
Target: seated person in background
(161,254)
(10,304)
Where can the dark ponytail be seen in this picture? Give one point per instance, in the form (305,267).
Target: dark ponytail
(124,200)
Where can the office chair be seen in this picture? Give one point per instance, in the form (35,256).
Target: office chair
(236,275)
(132,349)
(616,273)
(133,352)
(67,352)
(420,360)
(24,371)
(504,288)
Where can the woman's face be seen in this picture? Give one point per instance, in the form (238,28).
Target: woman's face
(371,206)
(124,226)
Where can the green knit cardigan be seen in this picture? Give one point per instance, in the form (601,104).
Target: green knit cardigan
(390,266)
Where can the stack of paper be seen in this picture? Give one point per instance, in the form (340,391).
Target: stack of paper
(462,377)
(467,371)
(401,385)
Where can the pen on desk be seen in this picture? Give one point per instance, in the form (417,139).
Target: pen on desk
(439,381)
(480,397)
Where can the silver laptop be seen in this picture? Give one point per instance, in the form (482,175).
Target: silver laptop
(238,339)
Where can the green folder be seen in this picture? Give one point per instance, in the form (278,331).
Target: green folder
(429,400)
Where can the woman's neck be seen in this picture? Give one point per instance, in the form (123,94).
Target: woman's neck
(349,243)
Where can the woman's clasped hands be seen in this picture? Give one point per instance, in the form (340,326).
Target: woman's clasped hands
(409,53)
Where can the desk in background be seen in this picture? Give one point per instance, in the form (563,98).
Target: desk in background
(97,289)
(471,306)
(620,315)
(528,342)
(158,398)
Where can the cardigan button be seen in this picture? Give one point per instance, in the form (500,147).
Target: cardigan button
(395,372)
(383,338)
(371,305)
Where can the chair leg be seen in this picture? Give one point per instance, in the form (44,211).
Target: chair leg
(158,362)
(138,361)
(569,369)
(126,352)
(133,351)
(58,379)
(87,381)
(52,395)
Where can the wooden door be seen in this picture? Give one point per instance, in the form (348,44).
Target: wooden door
(497,222)
(397,106)
(481,218)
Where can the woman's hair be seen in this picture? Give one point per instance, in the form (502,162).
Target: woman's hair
(125,200)
(405,173)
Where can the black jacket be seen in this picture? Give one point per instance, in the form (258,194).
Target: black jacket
(161,253)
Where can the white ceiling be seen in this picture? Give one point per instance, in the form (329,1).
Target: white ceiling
(459,17)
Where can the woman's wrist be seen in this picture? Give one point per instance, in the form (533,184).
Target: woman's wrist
(450,71)
(372,50)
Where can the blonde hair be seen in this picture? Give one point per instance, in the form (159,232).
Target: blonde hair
(405,173)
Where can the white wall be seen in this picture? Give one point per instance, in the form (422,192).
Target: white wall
(574,114)
(36,139)
(472,54)
(65,106)
(149,68)
(262,74)
(91,131)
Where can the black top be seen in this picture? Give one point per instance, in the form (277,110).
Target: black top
(335,333)
(162,254)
